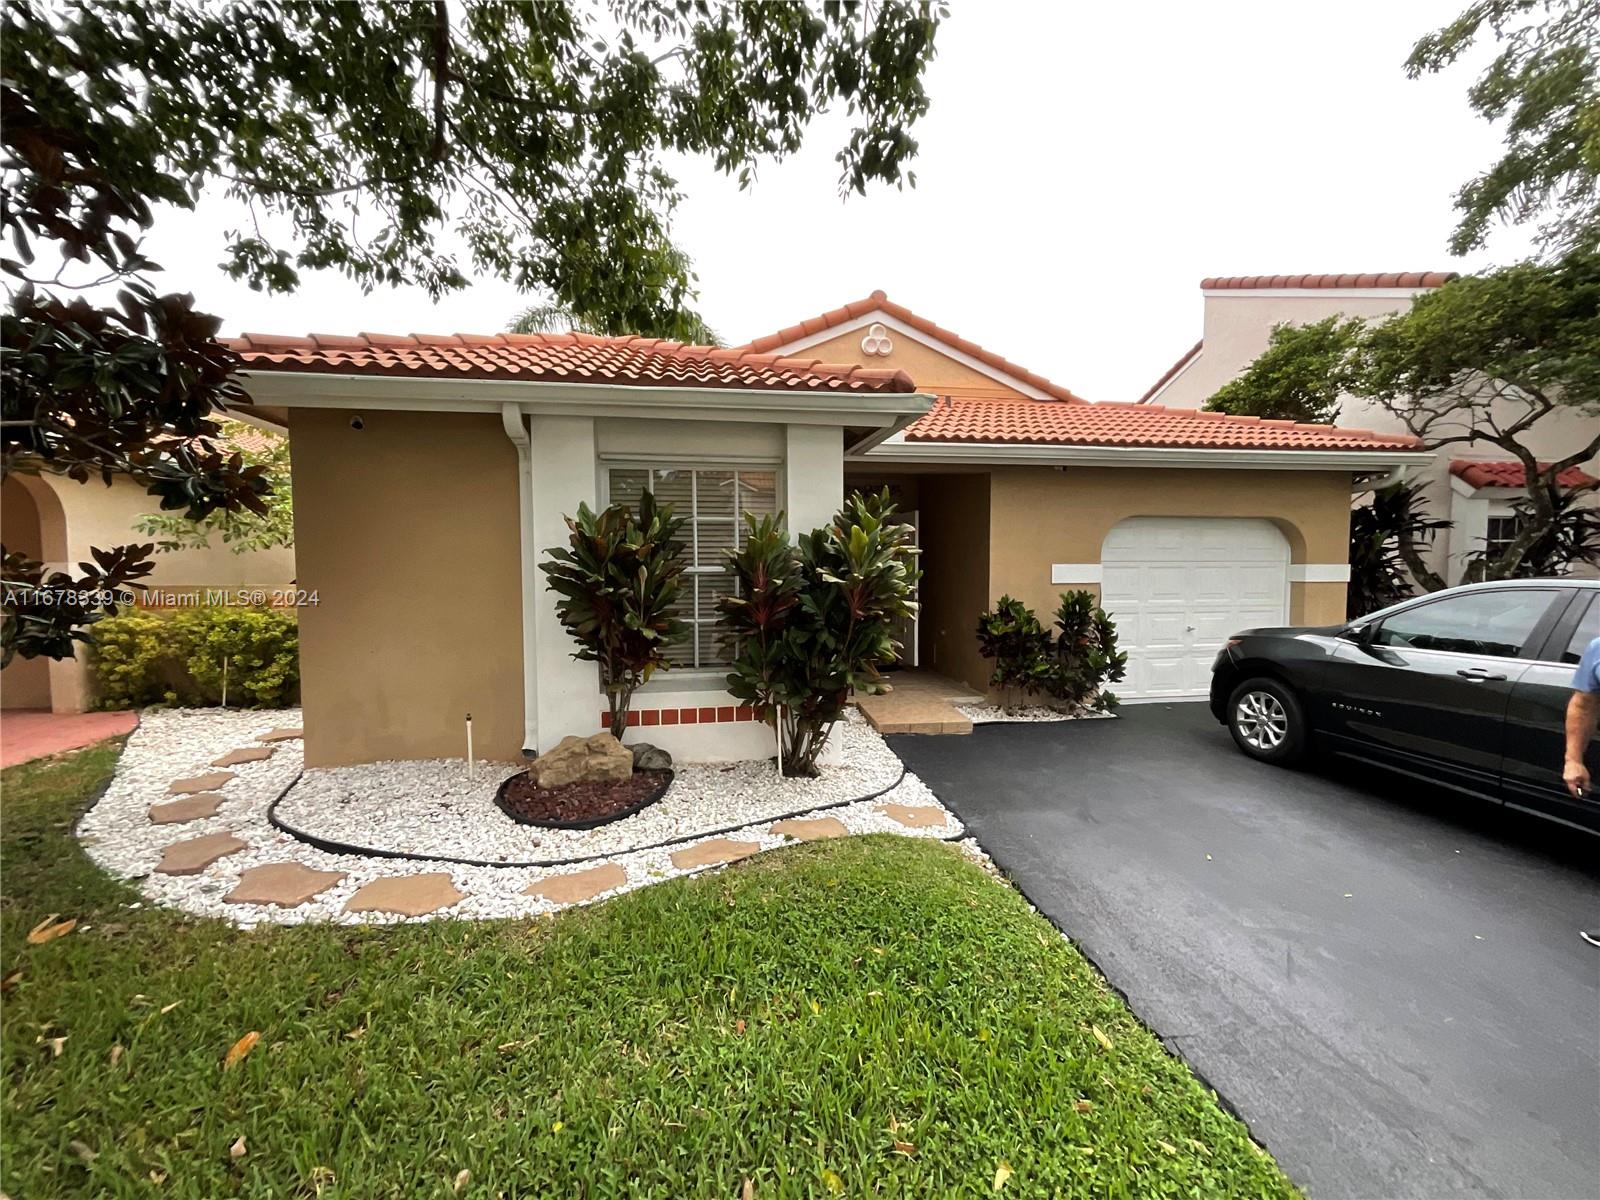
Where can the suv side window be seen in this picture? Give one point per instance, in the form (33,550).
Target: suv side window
(1494,623)
(1588,629)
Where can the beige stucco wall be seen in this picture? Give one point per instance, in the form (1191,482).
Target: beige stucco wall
(75,517)
(1039,517)
(1237,326)
(933,371)
(408,532)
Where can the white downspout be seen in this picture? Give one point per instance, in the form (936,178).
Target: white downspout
(511,419)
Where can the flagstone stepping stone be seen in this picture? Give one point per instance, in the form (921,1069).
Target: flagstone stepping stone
(914,816)
(243,755)
(200,783)
(281,735)
(285,884)
(408,895)
(195,855)
(190,808)
(811,830)
(711,853)
(578,885)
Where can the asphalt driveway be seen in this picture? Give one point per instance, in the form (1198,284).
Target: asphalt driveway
(1385,980)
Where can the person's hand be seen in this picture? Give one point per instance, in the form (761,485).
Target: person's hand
(1576,776)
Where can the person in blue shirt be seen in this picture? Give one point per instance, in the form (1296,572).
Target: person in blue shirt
(1583,714)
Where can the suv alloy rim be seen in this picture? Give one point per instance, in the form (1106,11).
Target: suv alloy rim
(1260,720)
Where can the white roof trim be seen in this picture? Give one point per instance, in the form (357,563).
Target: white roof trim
(896,449)
(878,316)
(314,389)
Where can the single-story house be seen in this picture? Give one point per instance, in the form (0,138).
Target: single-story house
(431,473)
(1472,485)
(56,521)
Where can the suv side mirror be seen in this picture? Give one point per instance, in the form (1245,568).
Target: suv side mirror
(1357,633)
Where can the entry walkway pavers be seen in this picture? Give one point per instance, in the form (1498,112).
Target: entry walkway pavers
(200,783)
(810,830)
(195,855)
(285,884)
(243,755)
(407,895)
(919,702)
(713,853)
(190,808)
(578,886)
(27,734)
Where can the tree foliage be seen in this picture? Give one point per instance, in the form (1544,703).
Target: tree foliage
(618,578)
(240,532)
(1544,84)
(1570,539)
(1483,360)
(816,620)
(1387,536)
(355,137)
(1300,376)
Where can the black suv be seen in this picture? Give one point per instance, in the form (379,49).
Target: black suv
(1467,688)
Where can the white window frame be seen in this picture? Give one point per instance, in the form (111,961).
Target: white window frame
(608,464)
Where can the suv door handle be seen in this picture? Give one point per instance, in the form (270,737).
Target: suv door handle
(1478,675)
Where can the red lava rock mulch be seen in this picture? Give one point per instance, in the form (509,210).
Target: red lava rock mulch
(580,805)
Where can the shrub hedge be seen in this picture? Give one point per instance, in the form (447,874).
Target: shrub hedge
(139,658)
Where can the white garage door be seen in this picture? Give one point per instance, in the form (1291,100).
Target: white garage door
(1177,587)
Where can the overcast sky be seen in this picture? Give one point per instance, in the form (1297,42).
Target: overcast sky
(1082,168)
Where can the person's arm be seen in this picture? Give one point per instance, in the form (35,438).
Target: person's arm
(1583,713)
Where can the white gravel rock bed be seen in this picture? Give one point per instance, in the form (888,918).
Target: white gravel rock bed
(169,745)
(993,714)
(431,807)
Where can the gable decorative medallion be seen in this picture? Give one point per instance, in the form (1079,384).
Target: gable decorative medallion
(877,341)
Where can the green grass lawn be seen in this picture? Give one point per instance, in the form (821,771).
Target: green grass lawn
(868,1017)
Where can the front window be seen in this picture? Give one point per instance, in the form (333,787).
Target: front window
(1495,623)
(714,501)
(1502,532)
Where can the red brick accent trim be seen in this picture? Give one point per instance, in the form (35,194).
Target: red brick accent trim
(721,715)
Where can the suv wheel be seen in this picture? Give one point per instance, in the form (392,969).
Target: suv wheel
(1267,722)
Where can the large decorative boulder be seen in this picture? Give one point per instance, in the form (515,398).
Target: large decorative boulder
(582,760)
(651,758)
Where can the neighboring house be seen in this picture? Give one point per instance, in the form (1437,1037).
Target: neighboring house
(1474,486)
(57,521)
(432,474)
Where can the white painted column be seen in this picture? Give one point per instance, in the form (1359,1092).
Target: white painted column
(562,458)
(813,475)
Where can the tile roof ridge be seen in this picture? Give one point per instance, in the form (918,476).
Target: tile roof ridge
(1370,279)
(879,301)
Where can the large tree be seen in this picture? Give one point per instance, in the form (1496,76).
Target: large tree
(380,139)
(1484,359)
(1544,84)
(1301,375)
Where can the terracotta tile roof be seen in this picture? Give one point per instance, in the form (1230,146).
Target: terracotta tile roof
(1184,360)
(558,358)
(1481,473)
(1113,424)
(1385,279)
(879,302)
(250,437)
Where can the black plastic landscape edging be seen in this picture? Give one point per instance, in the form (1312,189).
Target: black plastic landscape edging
(333,847)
